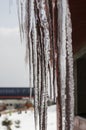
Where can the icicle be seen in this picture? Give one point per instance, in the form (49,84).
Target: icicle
(22,21)
(66,82)
(19,20)
(50,83)
(20,13)
(62,54)
(32,45)
(29,17)
(70,81)
(45,59)
(35,69)
(53,47)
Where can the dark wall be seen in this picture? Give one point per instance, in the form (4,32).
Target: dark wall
(81,85)
(78,16)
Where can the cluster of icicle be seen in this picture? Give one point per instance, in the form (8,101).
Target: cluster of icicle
(49,53)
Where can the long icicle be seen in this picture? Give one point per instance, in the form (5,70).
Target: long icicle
(19,20)
(70,80)
(62,56)
(65,107)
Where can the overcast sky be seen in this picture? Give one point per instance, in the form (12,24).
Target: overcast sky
(13,70)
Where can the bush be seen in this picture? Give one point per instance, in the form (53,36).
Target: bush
(7,123)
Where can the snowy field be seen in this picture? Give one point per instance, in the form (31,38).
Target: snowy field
(27,120)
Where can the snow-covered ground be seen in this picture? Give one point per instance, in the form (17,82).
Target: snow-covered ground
(27,119)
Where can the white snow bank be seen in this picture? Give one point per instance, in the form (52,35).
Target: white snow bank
(27,120)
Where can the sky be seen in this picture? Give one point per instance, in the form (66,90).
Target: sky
(13,69)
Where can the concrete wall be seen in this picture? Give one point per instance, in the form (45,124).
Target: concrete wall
(79,123)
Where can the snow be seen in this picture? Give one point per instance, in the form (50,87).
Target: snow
(27,119)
